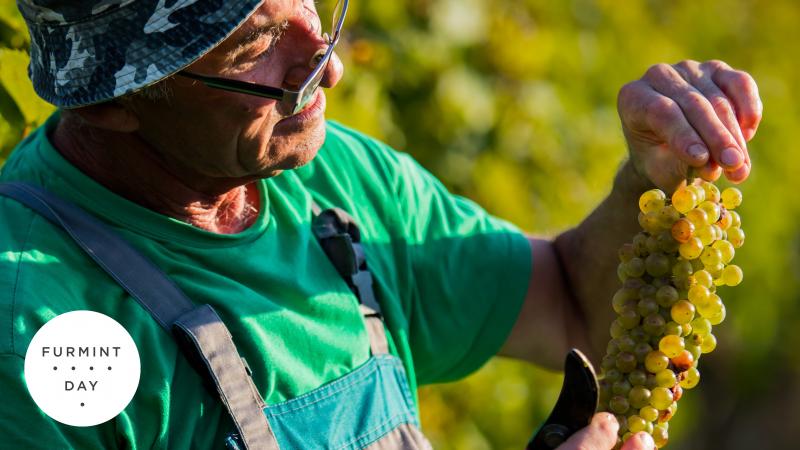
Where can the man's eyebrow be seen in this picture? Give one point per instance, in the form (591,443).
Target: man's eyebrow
(274,29)
(251,37)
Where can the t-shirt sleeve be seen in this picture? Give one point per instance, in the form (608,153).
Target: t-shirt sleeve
(470,273)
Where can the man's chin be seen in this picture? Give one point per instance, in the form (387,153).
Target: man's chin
(301,158)
(297,150)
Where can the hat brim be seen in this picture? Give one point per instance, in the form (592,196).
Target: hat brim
(123,49)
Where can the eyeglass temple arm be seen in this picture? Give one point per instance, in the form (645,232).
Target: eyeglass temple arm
(237,86)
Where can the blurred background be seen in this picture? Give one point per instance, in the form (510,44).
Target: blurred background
(512,103)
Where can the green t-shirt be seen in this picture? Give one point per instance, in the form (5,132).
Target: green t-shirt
(450,278)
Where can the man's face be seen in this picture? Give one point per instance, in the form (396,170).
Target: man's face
(210,134)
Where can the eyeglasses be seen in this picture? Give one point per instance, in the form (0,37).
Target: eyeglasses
(291,101)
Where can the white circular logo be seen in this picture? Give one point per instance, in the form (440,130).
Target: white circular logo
(82,368)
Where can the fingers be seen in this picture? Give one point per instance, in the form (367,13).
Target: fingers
(601,434)
(742,90)
(639,441)
(704,113)
(701,79)
(700,114)
(692,72)
(644,110)
(740,174)
(710,172)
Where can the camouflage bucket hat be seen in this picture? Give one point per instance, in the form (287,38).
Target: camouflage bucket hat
(90,51)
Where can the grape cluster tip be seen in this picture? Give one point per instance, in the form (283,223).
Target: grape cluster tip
(668,303)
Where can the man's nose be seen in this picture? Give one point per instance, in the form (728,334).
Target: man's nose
(309,47)
(333,73)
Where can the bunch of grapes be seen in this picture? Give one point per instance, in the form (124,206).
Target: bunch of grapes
(668,303)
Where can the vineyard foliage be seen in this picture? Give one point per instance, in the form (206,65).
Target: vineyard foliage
(513,104)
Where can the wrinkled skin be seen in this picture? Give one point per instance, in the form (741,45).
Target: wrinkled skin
(194,155)
(690,114)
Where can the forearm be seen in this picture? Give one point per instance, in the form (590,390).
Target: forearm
(588,256)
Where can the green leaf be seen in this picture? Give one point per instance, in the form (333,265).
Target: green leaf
(13,32)
(11,125)
(14,78)
(9,15)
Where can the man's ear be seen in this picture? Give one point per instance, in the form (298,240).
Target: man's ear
(112,116)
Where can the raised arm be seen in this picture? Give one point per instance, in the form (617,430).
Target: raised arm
(675,117)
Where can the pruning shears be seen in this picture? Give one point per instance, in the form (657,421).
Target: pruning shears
(575,407)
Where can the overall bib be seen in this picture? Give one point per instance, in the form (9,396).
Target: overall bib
(371,407)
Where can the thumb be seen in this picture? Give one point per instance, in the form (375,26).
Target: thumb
(601,434)
(639,441)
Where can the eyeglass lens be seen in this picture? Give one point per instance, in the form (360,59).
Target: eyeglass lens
(311,85)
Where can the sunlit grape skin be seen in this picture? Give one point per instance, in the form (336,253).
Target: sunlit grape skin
(648,413)
(706,234)
(731,198)
(668,304)
(660,398)
(671,345)
(736,220)
(682,312)
(711,256)
(683,230)
(709,343)
(712,192)
(703,278)
(656,361)
(736,236)
(726,250)
(684,200)
(698,293)
(691,249)
(691,378)
(697,217)
(652,201)
(725,219)
(666,378)
(698,191)
(701,326)
(712,210)
(732,275)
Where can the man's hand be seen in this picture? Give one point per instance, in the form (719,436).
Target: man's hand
(675,117)
(601,434)
(690,115)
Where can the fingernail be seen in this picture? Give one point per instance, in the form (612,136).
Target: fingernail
(730,157)
(646,440)
(698,152)
(604,416)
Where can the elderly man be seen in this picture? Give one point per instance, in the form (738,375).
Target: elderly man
(195,129)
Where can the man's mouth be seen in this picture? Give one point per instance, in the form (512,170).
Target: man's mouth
(310,112)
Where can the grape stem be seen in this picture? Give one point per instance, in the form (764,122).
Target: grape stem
(691,176)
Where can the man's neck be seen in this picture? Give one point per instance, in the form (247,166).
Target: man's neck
(131,168)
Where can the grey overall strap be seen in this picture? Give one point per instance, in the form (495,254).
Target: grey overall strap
(199,331)
(340,238)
